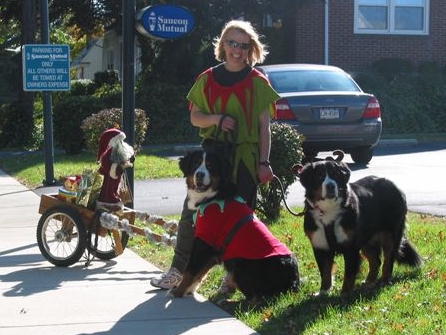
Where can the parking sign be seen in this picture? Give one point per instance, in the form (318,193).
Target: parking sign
(46,67)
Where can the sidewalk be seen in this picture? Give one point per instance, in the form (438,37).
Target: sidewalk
(112,297)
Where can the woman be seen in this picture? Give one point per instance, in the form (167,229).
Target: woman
(231,104)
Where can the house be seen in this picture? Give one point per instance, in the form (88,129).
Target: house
(103,54)
(352,34)
(89,60)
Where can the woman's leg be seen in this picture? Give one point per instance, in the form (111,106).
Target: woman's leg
(246,186)
(185,238)
(183,248)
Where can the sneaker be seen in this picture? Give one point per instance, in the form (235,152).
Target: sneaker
(227,287)
(168,280)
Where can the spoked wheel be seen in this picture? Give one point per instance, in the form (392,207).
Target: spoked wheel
(105,248)
(61,236)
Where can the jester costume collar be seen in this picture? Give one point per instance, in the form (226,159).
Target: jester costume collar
(243,90)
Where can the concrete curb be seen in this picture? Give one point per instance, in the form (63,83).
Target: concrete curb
(397,142)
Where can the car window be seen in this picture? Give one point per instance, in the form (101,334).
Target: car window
(311,80)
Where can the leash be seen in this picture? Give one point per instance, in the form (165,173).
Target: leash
(240,223)
(284,200)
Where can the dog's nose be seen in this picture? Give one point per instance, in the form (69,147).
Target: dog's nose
(199,176)
(330,189)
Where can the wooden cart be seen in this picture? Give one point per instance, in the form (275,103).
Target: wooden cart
(65,230)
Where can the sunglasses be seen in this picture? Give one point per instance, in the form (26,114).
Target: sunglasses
(236,45)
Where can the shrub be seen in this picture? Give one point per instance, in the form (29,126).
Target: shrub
(167,107)
(110,95)
(411,102)
(391,67)
(15,128)
(82,87)
(68,115)
(94,125)
(286,150)
(109,77)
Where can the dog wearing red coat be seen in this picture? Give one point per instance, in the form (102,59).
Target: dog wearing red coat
(228,232)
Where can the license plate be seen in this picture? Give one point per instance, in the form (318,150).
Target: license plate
(329,113)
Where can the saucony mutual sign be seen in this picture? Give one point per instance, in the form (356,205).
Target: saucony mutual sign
(165,21)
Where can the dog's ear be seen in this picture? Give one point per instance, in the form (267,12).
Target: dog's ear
(345,171)
(339,155)
(297,169)
(185,162)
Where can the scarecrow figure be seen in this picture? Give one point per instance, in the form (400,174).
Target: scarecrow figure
(114,155)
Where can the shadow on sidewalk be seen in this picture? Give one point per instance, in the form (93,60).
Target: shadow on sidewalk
(161,314)
(38,279)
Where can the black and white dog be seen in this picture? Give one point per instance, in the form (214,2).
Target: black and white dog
(227,231)
(366,216)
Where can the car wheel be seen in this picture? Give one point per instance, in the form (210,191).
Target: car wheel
(362,155)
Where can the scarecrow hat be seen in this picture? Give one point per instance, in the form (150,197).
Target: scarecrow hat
(105,139)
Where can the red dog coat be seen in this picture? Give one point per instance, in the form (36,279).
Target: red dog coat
(252,241)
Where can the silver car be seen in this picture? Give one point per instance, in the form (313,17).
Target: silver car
(327,106)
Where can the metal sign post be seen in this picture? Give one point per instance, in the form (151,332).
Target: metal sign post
(161,21)
(128,78)
(46,68)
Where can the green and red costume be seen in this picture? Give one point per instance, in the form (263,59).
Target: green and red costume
(244,101)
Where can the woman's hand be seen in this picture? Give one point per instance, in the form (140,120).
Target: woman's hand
(202,120)
(265,173)
(227,123)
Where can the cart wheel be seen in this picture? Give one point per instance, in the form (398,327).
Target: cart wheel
(61,236)
(105,248)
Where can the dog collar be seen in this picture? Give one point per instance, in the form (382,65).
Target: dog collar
(220,202)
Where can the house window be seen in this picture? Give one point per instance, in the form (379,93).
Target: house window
(404,17)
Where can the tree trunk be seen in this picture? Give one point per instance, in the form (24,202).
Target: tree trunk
(26,99)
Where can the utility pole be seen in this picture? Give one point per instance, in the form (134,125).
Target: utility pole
(47,101)
(128,78)
(27,98)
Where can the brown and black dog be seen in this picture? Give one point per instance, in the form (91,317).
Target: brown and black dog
(365,216)
(259,265)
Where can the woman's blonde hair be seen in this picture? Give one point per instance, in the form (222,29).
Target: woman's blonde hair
(257,52)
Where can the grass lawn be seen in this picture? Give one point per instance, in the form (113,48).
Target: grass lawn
(29,167)
(414,304)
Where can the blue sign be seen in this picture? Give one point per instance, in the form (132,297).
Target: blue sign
(165,21)
(46,67)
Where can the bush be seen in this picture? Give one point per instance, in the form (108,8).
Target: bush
(392,67)
(286,150)
(109,77)
(82,87)
(15,129)
(68,115)
(94,125)
(110,95)
(411,102)
(167,107)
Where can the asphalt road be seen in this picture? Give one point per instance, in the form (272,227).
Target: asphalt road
(419,170)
